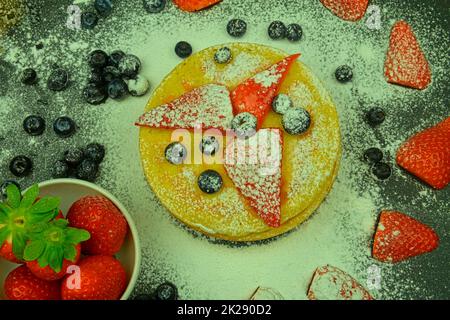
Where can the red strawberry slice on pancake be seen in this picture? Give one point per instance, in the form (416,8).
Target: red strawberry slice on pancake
(255,95)
(399,237)
(350,10)
(207,107)
(406,64)
(254,166)
(195,5)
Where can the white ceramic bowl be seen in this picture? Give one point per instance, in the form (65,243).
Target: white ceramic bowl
(70,190)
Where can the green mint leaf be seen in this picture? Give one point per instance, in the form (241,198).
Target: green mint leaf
(75,236)
(13,196)
(18,244)
(55,258)
(70,253)
(44,205)
(34,250)
(30,196)
(4,233)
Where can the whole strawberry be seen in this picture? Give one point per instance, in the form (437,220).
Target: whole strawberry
(98,278)
(103,220)
(21,284)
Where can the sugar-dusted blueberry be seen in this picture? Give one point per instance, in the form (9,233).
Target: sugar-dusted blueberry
(375,116)
(183,49)
(5,185)
(89,20)
(73,156)
(210,181)
(209,145)
(95,152)
(138,86)
(64,127)
(28,76)
(294,32)
(103,7)
(277,30)
(129,66)
(94,93)
(282,103)
(236,28)
(381,170)
(117,89)
(373,155)
(96,77)
(344,74)
(115,57)
(87,170)
(223,55)
(21,166)
(98,59)
(60,169)
(154,6)
(296,121)
(34,125)
(244,125)
(175,153)
(110,73)
(166,291)
(58,80)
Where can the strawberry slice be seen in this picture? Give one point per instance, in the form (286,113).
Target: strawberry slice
(254,166)
(350,10)
(427,155)
(331,283)
(399,237)
(195,5)
(208,106)
(406,64)
(255,94)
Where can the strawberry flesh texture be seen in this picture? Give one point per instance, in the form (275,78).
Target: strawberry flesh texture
(195,5)
(255,95)
(399,237)
(406,63)
(427,155)
(349,10)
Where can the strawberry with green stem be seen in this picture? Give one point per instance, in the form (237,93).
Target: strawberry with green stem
(52,248)
(17,214)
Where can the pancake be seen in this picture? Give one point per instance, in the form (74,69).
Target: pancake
(310,161)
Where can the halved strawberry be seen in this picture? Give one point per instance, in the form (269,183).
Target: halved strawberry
(427,155)
(208,106)
(331,283)
(399,237)
(255,95)
(195,5)
(350,10)
(406,63)
(254,166)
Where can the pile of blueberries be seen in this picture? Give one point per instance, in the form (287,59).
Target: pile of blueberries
(102,8)
(114,76)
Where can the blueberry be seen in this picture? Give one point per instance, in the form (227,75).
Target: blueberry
(236,28)
(58,80)
(110,73)
(223,55)
(381,170)
(87,170)
(94,94)
(96,77)
(210,181)
(143,297)
(277,30)
(175,153)
(89,20)
(117,89)
(373,155)
(183,49)
(296,121)
(64,127)
(166,291)
(21,166)
(28,76)
(294,32)
(5,185)
(129,66)
(95,152)
(154,6)
(115,57)
(209,145)
(282,103)
(98,59)
(344,74)
(375,117)
(138,86)
(103,7)
(60,170)
(34,125)
(244,125)
(73,156)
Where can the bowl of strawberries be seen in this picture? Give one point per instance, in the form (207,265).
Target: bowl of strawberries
(66,239)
